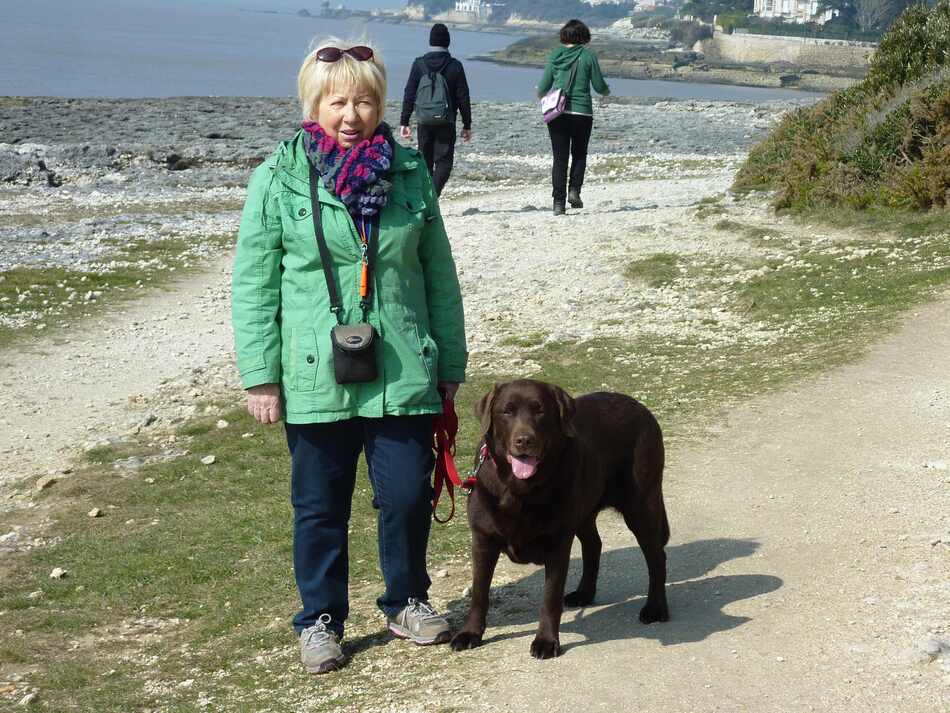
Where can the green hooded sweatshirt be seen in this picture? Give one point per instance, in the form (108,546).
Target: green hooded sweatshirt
(558,68)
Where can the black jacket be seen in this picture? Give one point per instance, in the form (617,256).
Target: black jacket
(454,75)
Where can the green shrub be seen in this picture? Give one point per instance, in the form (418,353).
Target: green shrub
(884,141)
(729,21)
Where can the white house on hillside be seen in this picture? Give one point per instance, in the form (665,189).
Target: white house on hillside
(799,11)
(477,8)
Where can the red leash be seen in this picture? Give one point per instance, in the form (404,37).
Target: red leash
(444,430)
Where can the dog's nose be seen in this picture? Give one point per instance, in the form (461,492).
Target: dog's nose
(524,440)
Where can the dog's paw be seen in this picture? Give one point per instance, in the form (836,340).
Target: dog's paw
(545,648)
(579,598)
(654,612)
(465,640)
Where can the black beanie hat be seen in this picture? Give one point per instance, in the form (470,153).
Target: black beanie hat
(439,36)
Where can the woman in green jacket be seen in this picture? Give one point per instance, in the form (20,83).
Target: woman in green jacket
(391,265)
(570,132)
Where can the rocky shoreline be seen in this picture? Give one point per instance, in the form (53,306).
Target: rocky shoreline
(75,169)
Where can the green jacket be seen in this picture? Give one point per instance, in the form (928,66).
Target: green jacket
(281,309)
(558,68)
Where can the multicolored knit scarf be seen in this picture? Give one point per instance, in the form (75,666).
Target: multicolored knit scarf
(355,175)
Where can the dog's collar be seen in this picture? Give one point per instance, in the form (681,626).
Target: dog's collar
(483,455)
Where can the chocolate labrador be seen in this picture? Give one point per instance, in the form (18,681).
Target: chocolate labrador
(553,463)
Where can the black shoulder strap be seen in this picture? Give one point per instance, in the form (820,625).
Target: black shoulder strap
(335,304)
(326,261)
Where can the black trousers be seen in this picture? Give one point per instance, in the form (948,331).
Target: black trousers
(437,144)
(570,135)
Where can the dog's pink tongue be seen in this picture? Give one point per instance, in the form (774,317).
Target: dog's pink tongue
(523,466)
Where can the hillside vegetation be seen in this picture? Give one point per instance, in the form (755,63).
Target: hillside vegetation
(884,142)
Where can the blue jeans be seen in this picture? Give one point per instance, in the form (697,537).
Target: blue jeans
(323,474)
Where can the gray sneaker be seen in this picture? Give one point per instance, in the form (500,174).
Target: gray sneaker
(320,650)
(421,624)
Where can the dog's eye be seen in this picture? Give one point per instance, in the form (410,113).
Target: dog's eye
(508,409)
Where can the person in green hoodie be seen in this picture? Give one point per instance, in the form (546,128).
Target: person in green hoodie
(570,132)
(390,263)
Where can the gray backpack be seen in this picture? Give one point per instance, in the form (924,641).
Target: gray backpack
(433,107)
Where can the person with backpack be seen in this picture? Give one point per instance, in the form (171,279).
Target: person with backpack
(437,90)
(570,132)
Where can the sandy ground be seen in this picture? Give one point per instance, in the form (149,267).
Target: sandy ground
(811,531)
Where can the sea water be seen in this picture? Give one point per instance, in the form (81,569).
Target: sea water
(135,48)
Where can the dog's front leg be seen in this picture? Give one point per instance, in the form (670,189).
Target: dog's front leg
(546,644)
(485,552)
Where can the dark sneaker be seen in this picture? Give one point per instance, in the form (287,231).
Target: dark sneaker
(421,624)
(559,208)
(574,198)
(320,650)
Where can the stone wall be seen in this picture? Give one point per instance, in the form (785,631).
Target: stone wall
(801,51)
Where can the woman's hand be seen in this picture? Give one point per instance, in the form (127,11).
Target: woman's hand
(263,403)
(449,388)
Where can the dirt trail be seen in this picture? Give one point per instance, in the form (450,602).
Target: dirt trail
(810,560)
(86,384)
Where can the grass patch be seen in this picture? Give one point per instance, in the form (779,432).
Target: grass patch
(755,234)
(731,226)
(43,299)
(880,220)
(646,166)
(75,213)
(657,270)
(758,234)
(804,290)
(525,341)
(710,206)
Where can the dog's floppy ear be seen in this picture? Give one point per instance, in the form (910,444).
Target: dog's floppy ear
(483,409)
(565,406)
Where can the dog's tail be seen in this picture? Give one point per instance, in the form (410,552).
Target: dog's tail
(649,459)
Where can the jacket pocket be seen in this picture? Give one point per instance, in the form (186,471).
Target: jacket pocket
(298,216)
(304,358)
(408,212)
(429,354)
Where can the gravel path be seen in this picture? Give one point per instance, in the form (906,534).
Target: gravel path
(114,373)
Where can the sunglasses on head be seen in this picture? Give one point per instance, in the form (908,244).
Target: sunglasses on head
(333,54)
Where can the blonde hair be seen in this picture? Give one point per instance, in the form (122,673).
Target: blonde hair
(316,78)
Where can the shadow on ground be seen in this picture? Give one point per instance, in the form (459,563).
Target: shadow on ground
(571,211)
(696,600)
